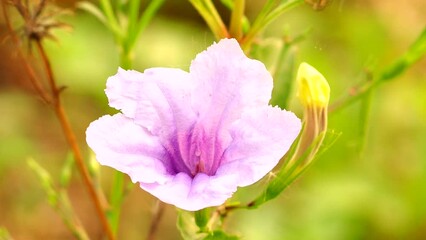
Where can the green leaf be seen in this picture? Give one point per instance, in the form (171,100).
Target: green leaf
(202,218)
(220,235)
(94,10)
(187,227)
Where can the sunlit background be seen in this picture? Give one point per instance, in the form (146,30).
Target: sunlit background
(364,187)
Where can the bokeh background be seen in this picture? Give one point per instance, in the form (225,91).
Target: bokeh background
(374,192)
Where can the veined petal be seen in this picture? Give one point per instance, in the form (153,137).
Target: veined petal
(166,95)
(259,140)
(119,143)
(196,193)
(227,82)
(160,101)
(166,111)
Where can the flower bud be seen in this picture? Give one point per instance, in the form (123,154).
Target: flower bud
(314,90)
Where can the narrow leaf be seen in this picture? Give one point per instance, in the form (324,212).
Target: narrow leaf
(94,10)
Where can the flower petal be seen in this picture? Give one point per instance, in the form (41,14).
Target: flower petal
(166,111)
(259,140)
(159,100)
(129,148)
(194,194)
(227,82)
(123,91)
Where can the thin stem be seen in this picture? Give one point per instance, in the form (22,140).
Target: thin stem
(54,101)
(223,32)
(158,214)
(236,29)
(32,76)
(66,127)
(143,21)
(112,20)
(72,141)
(415,52)
(265,18)
(53,88)
(209,13)
(116,199)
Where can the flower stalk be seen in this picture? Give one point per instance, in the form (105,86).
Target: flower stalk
(52,98)
(209,13)
(236,27)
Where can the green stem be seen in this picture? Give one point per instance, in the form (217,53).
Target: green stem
(133,13)
(112,20)
(116,199)
(365,111)
(126,58)
(283,76)
(209,13)
(266,16)
(222,30)
(144,20)
(236,29)
(416,51)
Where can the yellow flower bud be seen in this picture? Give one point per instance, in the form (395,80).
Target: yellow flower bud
(314,90)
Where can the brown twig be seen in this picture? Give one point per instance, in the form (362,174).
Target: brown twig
(53,99)
(156,217)
(32,76)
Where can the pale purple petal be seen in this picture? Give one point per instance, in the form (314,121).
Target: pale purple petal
(195,193)
(227,82)
(259,139)
(123,91)
(127,147)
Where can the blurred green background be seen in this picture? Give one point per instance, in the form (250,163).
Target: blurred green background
(377,193)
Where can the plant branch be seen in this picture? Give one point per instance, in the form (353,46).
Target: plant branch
(54,101)
(32,76)
(158,214)
(415,52)
(235,28)
(72,141)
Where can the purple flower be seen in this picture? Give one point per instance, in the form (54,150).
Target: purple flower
(191,139)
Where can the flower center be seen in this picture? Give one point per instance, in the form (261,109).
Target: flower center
(202,156)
